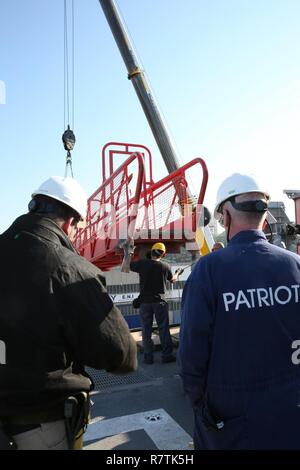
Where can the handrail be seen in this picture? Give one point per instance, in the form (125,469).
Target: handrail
(97,195)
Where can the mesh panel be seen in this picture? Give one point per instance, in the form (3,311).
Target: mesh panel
(104,380)
(164,205)
(110,205)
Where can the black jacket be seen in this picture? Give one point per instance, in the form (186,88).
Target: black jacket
(153,275)
(55,318)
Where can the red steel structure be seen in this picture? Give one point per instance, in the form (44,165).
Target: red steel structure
(130,204)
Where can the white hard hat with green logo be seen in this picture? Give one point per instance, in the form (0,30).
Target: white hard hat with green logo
(236,185)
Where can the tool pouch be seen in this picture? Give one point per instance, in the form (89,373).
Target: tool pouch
(136,303)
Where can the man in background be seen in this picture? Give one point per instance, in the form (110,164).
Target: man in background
(154,274)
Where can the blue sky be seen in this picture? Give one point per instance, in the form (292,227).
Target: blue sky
(226,74)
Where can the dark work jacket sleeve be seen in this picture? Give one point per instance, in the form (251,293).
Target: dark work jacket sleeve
(195,333)
(169,273)
(94,328)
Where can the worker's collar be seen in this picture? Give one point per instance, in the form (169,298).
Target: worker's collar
(246,236)
(44,228)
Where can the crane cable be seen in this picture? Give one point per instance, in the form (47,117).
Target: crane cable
(68,136)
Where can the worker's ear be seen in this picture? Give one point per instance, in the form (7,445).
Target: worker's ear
(67,226)
(265,223)
(226,218)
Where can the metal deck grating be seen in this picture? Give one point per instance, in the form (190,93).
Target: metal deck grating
(103,380)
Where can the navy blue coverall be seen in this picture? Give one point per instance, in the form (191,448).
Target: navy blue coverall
(238,353)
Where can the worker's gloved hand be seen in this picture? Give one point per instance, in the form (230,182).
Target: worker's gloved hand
(179,271)
(128,247)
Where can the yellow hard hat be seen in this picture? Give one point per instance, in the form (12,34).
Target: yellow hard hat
(159,246)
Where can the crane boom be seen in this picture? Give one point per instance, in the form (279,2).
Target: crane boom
(138,79)
(136,75)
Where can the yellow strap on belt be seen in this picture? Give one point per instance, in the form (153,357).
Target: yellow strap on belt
(204,240)
(78,442)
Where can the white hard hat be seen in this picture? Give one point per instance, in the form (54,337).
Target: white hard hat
(235,185)
(65,190)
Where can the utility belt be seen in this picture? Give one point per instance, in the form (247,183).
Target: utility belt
(75,411)
(148,299)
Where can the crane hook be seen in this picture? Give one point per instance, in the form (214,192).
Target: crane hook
(69,140)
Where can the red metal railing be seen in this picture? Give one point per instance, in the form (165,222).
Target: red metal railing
(129,203)
(113,150)
(111,211)
(166,208)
